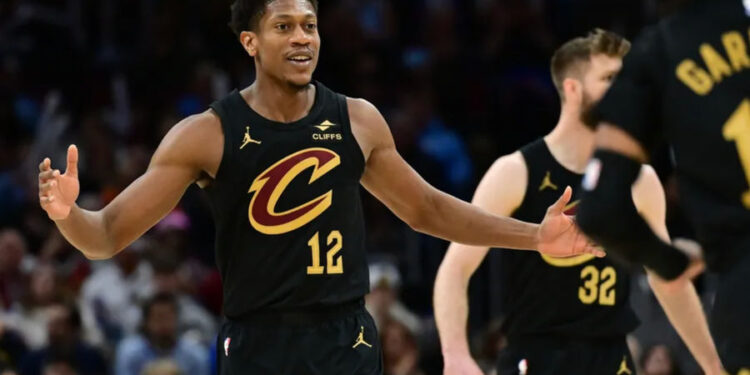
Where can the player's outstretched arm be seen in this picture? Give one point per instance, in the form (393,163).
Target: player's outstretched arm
(500,192)
(191,147)
(607,215)
(678,298)
(389,178)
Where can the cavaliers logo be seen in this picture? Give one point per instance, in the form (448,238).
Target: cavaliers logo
(573,261)
(270,184)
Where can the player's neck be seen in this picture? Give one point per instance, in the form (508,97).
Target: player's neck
(571,143)
(278,101)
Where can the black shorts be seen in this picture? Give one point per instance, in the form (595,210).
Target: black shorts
(560,356)
(730,316)
(341,340)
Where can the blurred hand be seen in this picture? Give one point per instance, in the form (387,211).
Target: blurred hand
(558,234)
(58,192)
(461,365)
(694,269)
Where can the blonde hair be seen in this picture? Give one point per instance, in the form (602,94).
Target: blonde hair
(571,55)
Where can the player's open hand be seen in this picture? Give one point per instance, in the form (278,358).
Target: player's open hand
(558,234)
(58,192)
(461,365)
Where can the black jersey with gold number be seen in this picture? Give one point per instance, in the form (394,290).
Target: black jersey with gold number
(688,79)
(289,224)
(577,297)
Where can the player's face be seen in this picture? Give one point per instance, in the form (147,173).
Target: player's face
(287,43)
(160,324)
(596,81)
(602,71)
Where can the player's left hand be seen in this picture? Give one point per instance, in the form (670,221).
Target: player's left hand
(558,234)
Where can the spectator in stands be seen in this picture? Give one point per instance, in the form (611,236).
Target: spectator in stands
(112,295)
(194,321)
(12,349)
(29,316)
(382,301)
(658,360)
(65,348)
(400,350)
(159,340)
(59,366)
(12,278)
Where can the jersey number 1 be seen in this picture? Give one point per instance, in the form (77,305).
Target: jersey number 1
(737,129)
(334,264)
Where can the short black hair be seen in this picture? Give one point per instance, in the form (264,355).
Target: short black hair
(157,299)
(246,14)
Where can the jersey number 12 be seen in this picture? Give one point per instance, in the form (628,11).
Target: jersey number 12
(334,265)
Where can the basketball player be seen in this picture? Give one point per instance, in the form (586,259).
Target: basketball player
(282,161)
(563,315)
(688,81)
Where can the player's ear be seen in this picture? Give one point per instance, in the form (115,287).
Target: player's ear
(573,90)
(249,40)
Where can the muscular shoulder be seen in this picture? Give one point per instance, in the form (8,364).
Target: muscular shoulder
(507,166)
(196,142)
(368,125)
(503,187)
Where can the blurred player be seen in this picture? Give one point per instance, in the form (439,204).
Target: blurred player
(282,162)
(563,315)
(687,80)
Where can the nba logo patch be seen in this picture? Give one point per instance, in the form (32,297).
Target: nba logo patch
(226,346)
(591,178)
(523,367)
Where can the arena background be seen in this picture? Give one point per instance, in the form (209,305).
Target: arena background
(461,82)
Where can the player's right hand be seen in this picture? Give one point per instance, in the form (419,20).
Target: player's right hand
(58,192)
(559,235)
(461,365)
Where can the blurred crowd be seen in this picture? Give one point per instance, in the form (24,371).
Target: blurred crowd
(460,82)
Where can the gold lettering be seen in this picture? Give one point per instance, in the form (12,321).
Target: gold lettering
(716,64)
(694,77)
(736,50)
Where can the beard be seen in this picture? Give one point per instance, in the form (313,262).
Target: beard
(588,111)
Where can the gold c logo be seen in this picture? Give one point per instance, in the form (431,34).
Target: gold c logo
(270,184)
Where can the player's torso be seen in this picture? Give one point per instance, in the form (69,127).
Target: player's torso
(289,224)
(580,296)
(707,115)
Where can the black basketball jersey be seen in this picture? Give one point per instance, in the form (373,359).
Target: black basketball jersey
(289,223)
(581,296)
(687,79)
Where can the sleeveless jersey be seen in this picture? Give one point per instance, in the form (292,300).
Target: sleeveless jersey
(581,296)
(286,203)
